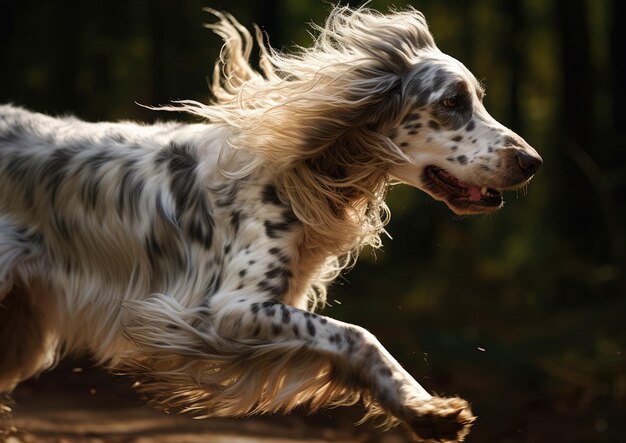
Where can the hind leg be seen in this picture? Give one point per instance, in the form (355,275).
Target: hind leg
(20,254)
(27,344)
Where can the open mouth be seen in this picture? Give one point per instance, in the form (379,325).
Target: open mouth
(461,197)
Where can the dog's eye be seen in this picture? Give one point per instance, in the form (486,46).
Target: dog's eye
(451,102)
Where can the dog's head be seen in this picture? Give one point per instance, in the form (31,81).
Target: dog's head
(456,151)
(373,97)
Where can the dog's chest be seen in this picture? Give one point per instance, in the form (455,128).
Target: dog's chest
(256,244)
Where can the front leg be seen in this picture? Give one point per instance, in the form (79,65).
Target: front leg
(366,365)
(254,355)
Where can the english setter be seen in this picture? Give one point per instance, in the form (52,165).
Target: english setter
(191,256)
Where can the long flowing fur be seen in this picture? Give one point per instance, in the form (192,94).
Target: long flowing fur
(235,377)
(313,117)
(310,116)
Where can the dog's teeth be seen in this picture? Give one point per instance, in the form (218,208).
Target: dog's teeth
(483,190)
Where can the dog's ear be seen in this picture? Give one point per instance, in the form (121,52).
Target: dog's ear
(386,110)
(379,107)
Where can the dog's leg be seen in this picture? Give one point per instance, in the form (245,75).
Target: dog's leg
(27,346)
(27,342)
(370,365)
(263,356)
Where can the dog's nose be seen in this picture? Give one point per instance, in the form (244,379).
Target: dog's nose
(528,162)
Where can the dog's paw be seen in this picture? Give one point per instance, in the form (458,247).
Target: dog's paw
(440,420)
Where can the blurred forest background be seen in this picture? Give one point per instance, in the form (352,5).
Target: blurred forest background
(523,312)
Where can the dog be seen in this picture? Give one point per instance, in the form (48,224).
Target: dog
(192,256)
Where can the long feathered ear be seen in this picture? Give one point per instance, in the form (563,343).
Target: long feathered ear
(317,117)
(381,109)
(347,114)
(301,103)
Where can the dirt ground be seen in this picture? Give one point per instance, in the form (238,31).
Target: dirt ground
(79,404)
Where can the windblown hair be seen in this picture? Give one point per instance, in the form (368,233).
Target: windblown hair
(317,117)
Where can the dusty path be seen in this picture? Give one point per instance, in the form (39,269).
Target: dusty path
(85,405)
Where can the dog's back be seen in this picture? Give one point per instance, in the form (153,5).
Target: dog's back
(78,229)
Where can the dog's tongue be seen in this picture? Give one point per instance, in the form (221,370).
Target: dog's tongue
(474,193)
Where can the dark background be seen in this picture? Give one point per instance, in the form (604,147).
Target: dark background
(523,312)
